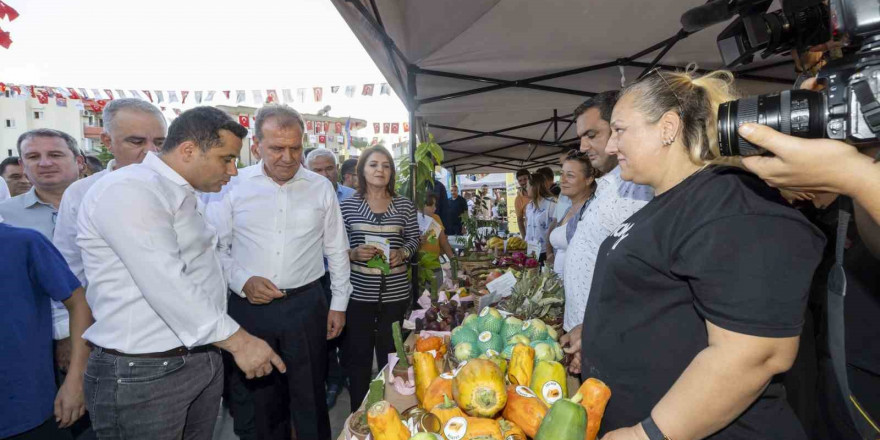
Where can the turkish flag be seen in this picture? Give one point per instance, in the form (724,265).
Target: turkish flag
(226,92)
(319,93)
(183,94)
(322,139)
(406,127)
(149,94)
(5,40)
(102,103)
(339,127)
(386,128)
(16,89)
(326,127)
(244,120)
(44,99)
(395,128)
(73,94)
(368,90)
(271,96)
(375,127)
(310,126)
(109,93)
(7,11)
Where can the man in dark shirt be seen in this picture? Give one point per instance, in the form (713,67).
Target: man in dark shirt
(456,206)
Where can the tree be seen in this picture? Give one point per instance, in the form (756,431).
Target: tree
(104,155)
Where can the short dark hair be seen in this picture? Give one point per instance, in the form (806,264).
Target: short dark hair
(522,172)
(604,101)
(48,132)
(362,163)
(546,172)
(201,125)
(94,163)
(285,115)
(11,160)
(349,167)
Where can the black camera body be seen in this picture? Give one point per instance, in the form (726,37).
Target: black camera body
(847,109)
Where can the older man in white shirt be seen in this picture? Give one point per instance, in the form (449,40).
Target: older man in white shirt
(615,200)
(276,221)
(157,290)
(132,128)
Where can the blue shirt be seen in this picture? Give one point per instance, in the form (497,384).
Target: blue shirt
(343,192)
(33,272)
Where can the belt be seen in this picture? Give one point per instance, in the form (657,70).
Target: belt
(299,290)
(174,352)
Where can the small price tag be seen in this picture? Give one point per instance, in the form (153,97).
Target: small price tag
(502,285)
(534,250)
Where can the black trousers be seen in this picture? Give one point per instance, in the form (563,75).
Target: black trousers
(296,328)
(49,430)
(368,331)
(335,373)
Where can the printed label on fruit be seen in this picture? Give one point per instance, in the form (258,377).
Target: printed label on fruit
(551,391)
(484,312)
(491,353)
(526,392)
(458,368)
(447,376)
(485,336)
(455,428)
(526,325)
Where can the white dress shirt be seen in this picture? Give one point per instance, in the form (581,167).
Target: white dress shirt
(65,225)
(615,201)
(155,278)
(282,232)
(4,190)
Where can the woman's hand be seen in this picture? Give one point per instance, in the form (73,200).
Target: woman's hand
(397,257)
(364,253)
(630,433)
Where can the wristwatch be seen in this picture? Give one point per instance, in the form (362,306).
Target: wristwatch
(654,433)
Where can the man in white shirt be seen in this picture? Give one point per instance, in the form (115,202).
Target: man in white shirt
(132,128)
(157,290)
(614,201)
(276,221)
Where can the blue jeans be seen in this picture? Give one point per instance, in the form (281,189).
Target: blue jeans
(154,398)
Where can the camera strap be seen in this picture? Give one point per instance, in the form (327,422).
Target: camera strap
(870,106)
(862,422)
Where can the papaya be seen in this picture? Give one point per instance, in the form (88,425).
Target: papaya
(596,395)
(439,387)
(432,343)
(522,363)
(447,410)
(384,422)
(472,428)
(566,420)
(549,382)
(524,409)
(479,388)
(509,430)
(425,371)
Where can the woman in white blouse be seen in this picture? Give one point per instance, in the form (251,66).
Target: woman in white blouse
(578,183)
(539,215)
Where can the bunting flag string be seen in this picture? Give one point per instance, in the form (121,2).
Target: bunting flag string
(183,95)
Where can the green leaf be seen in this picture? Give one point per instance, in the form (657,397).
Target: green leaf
(378,262)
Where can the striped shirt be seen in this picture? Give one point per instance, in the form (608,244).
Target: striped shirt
(399,225)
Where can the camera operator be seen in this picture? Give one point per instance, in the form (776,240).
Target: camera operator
(825,165)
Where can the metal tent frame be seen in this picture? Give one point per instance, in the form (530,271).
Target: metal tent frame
(459,164)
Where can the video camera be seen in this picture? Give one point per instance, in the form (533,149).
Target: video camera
(847,109)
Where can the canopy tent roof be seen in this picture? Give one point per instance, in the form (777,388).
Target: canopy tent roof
(495,180)
(496,81)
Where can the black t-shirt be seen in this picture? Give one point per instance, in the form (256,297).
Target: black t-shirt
(455,208)
(720,246)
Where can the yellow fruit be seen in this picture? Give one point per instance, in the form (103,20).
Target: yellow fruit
(479,388)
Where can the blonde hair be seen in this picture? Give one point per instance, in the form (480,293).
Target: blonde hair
(695,99)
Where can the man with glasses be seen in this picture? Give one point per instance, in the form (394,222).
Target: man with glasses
(51,161)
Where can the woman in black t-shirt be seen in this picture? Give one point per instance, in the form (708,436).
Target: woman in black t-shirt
(698,298)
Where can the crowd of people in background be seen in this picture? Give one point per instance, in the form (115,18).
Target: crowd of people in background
(143,292)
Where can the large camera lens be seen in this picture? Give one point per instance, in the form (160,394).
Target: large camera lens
(799,113)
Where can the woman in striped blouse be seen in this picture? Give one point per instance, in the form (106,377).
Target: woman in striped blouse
(377,300)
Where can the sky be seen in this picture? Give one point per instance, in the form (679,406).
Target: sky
(194,45)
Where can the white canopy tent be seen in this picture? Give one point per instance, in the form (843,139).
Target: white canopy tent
(496,81)
(492,181)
